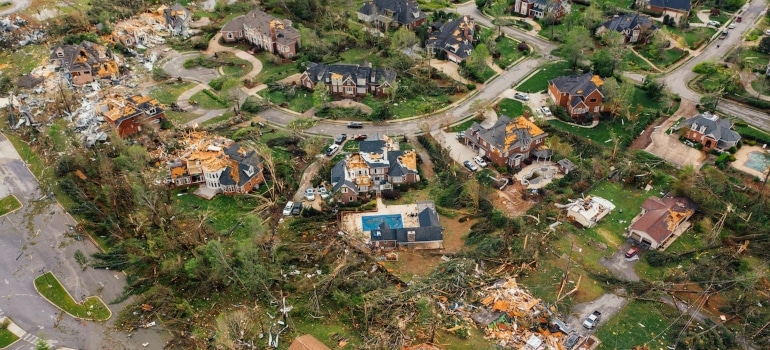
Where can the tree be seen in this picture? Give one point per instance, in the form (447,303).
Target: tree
(592,18)
(231,89)
(476,63)
(616,49)
(617,96)
(577,41)
(497,11)
(320,94)
(764,44)
(403,38)
(657,44)
(601,62)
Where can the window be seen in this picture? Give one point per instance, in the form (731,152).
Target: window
(344,190)
(350,199)
(593,100)
(349,90)
(229,35)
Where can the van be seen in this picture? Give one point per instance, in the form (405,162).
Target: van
(332,149)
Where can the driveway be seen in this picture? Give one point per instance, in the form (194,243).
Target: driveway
(619,266)
(175,68)
(669,147)
(608,304)
(37,238)
(457,150)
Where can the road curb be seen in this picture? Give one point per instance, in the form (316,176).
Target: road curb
(14,329)
(73,299)
(17,200)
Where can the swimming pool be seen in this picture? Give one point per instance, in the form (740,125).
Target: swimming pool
(372,222)
(758,161)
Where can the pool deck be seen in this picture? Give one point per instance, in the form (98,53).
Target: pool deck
(352,224)
(742,156)
(543,181)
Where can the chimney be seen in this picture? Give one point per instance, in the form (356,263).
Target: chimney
(526,113)
(410,236)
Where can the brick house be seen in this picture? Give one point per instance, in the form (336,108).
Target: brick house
(349,80)
(661,221)
(217,163)
(509,142)
(579,94)
(128,115)
(711,131)
(377,166)
(84,63)
(635,28)
(426,234)
(669,7)
(276,36)
(539,8)
(386,14)
(455,38)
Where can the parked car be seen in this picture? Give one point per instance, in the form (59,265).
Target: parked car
(723,35)
(546,111)
(323,192)
(461,135)
(572,340)
(340,139)
(310,194)
(521,96)
(767,31)
(470,166)
(297,208)
(480,161)
(332,149)
(287,209)
(731,26)
(739,19)
(713,24)
(355,125)
(360,137)
(632,252)
(592,320)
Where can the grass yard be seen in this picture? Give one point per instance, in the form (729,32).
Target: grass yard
(349,146)
(410,108)
(751,132)
(722,18)
(6,337)
(237,67)
(636,324)
(341,113)
(180,117)
(512,108)
(9,204)
(207,102)
(627,202)
(224,211)
(507,46)
(218,119)
(301,102)
(539,81)
(761,85)
(693,37)
(464,125)
(168,93)
(754,59)
(273,70)
(358,56)
(22,60)
(636,63)
(92,308)
(668,58)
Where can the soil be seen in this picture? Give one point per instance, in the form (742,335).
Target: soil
(711,307)
(509,200)
(645,139)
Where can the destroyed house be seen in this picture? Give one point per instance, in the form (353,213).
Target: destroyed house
(578,94)
(177,19)
(386,14)
(349,80)
(508,142)
(85,62)
(273,35)
(428,234)
(217,163)
(455,38)
(377,166)
(589,210)
(128,115)
(661,221)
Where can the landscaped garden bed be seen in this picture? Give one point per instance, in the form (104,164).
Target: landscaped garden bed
(92,308)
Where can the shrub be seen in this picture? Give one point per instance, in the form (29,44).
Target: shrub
(733,150)
(705,68)
(217,83)
(214,96)
(470,86)
(158,74)
(391,194)
(522,47)
(657,259)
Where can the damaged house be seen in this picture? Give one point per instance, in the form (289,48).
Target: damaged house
(349,80)
(378,165)
(454,39)
(588,211)
(386,14)
(425,233)
(147,29)
(128,115)
(661,221)
(84,63)
(509,142)
(273,35)
(217,164)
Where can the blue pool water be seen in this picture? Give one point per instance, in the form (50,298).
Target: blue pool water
(757,161)
(372,222)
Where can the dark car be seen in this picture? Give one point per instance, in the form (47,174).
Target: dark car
(297,208)
(355,125)
(632,252)
(340,139)
(360,137)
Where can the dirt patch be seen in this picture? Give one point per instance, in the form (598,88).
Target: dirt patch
(608,236)
(691,293)
(645,139)
(509,200)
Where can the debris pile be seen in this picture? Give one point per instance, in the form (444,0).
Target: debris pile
(149,29)
(512,317)
(19,31)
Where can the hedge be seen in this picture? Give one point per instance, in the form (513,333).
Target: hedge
(214,96)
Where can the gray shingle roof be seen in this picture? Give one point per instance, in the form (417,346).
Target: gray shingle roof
(672,4)
(718,129)
(628,21)
(377,76)
(338,172)
(495,135)
(405,12)
(452,37)
(580,85)
(371,146)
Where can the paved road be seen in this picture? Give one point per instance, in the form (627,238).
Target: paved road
(33,240)
(18,5)
(676,81)
(175,68)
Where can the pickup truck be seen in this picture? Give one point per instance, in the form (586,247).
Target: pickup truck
(592,320)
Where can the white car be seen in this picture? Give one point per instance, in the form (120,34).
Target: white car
(546,111)
(713,24)
(287,209)
(731,26)
(767,31)
(322,191)
(310,194)
(480,161)
(521,96)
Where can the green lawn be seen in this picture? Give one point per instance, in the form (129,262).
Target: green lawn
(8,204)
(206,102)
(693,37)
(22,60)
(539,81)
(669,57)
(464,125)
(168,93)
(7,338)
(512,108)
(636,324)
(761,85)
(507,47)
(628,202)
(92,308)
(350,145)
(722,18)
(218,119)
(359,55)
(409,108)
(237,67)
(753,133)
(636,63)
(180,117)
(341,113)
(301,102)
(272,70)
(754,59)
(223,211)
